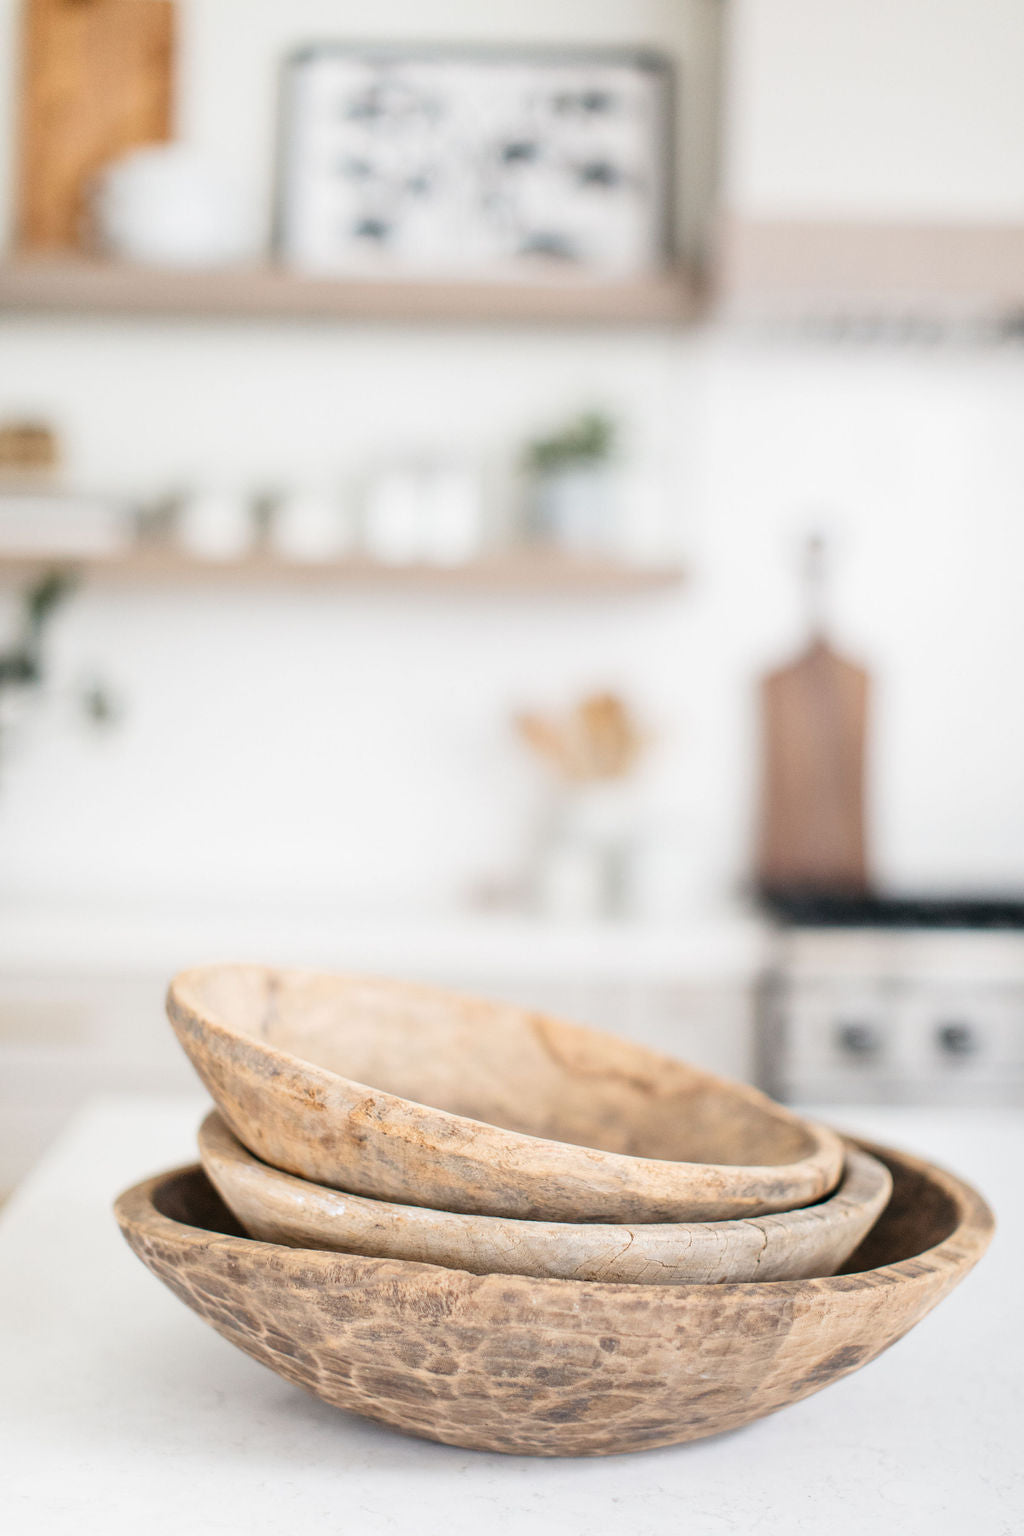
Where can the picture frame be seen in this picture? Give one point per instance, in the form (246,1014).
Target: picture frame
(414,162)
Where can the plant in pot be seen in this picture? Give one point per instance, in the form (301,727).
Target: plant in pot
(571,500)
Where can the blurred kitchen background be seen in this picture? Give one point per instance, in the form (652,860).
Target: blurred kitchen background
(529,496)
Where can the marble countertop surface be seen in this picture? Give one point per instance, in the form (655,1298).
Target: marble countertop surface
(121,1412)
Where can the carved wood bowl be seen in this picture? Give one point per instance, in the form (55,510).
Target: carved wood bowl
(554,1367)
(426,1097)
(791,1245)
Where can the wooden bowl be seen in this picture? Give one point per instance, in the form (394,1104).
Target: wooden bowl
(554,1367)
(793,1245)
(478,1106)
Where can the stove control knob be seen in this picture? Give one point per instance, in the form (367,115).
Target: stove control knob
(957,1038)
(859,1038)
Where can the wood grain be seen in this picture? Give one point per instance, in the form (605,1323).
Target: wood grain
(96,81)
(427,1097)
(554,1367)
(275,1207)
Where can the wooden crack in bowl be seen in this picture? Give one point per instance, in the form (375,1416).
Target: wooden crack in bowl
(426,1097)
(791,1245)
(554,1367)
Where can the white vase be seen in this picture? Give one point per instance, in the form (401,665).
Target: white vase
(394,516)
(586,852)
(453,521)
(309,526)
(572,507)
(167,205)
(216,524)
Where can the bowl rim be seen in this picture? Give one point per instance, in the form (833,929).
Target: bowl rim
(823,1156)
(964,1245)
(865,1181)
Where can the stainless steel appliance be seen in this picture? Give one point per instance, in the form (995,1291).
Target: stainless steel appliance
(895,1002)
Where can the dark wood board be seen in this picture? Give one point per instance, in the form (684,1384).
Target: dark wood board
(813,734)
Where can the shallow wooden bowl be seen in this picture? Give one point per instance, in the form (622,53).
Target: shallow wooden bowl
(554,1367)
(479,1106)
(792,1245)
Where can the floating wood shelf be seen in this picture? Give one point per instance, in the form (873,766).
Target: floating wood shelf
(512,572)
(78,286)
(905,266)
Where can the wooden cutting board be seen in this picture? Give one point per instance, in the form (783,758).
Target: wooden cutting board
(813,729)
(96,81)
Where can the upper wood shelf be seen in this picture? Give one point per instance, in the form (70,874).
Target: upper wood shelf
(69,285)
(901,267)
(514,571)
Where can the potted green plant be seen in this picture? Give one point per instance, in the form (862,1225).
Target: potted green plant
(571,502)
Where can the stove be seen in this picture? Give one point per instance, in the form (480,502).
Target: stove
(894,1000)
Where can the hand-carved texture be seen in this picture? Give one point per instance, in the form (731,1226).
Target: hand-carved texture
(553,1367)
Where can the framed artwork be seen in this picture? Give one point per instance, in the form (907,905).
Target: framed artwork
(478,164)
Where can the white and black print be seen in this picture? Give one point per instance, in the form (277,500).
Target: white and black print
(474,165)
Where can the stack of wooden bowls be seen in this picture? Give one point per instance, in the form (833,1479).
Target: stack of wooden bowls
(504,1231)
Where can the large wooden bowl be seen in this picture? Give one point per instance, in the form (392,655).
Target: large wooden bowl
(554,1367)
(426,1097)
(792,1245)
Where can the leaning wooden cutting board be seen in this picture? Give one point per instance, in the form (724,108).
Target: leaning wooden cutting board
(96,81)
(813,728)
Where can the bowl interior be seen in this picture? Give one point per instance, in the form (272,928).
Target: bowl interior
(188,1197)
(489,1061)
(920,1215)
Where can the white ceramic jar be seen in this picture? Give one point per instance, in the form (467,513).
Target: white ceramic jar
(168,205)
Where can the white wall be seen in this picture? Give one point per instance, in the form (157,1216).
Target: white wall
(336,740)
(914,462)
(876,109)
(356,744)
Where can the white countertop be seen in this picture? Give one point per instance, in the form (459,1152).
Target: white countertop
(122,1412)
